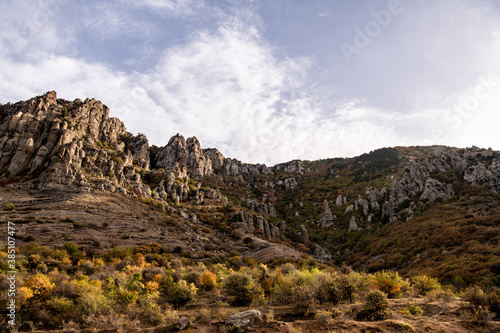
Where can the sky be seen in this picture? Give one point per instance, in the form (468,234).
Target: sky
(267,81)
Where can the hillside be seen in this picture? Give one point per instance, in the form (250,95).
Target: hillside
(70,174)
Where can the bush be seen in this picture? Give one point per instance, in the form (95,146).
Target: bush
(282,290)
(180,294)
(424,284)
(304,300)
(92,304)
(241,286)
(193,277)
(323,316)
(126,297)
(60,305)
(10,206)
(38,287)
(150,312)
(70,247)
(208,281)
(481,306)
(375,308)
(412,310)
(388,282)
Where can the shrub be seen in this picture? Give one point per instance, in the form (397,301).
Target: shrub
(323,316)
(375,308)
(62,309)
(481,306)
(70,247)
(35,260)
(193,277)
(424,284)
(267,286)
(150,312)
(208,281)
(180,294)
(126,297)
(412,310)
(241,286)
(92,304)
(304,300)
(151,286)
(38,287)
(282,290)
(402,326)
(10,206)
(388,282)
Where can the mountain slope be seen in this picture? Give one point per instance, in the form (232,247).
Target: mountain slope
(410,209)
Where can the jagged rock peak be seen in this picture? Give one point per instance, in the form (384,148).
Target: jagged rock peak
(34,129)
(186,157)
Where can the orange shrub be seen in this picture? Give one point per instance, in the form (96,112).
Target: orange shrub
(208,281)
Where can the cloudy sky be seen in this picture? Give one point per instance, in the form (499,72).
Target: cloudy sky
(267,81)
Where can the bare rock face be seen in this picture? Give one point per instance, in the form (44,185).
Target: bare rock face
(71,145)
(265,209)
(353,224)
(435,190)
(326,219)
(340,201)
(215,156)
(322,253)
(139,146)
(179,154)
(480,175)
(234,167)
(295,166)
(304,235)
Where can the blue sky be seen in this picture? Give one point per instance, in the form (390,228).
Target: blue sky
(272,80)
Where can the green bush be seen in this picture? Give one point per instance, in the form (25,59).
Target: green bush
(61,305)
(150,312)
(10,206)
(92,304)
(125,297)
(241,286)
(282,290)
(375,308)
(181,293)
(424,284)
(70,247)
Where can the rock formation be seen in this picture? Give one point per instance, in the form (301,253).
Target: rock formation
(326,219)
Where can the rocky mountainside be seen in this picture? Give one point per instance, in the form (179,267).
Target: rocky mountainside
(338,210)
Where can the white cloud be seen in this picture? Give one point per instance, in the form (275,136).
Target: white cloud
(28,29)
(171,7)
(324,13)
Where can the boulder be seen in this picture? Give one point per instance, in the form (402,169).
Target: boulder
(183,323)
(246,318)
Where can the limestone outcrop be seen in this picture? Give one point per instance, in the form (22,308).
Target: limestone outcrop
(185,156)
(327,218)
(71,145)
